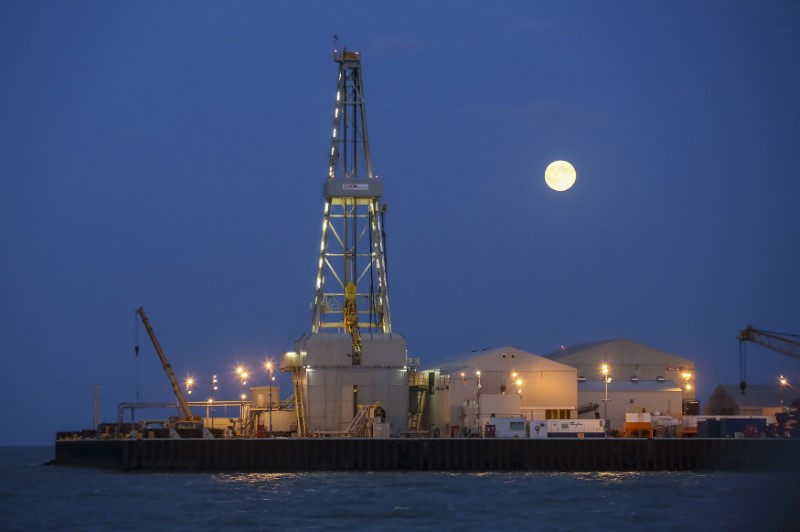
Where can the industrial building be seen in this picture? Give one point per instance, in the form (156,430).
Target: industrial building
(638,378)
(758,400)
(505,382)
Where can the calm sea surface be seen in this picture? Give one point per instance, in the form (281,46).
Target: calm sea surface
(38,497)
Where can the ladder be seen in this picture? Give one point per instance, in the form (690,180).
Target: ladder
(299,400)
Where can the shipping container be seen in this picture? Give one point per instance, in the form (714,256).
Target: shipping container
(742,427)
(708,428)
(576,428)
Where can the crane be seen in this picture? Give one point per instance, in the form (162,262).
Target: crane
(771,340)
(183,405)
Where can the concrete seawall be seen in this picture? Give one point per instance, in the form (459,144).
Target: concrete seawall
(295,455)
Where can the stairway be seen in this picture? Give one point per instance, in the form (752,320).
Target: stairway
(418,383)
(299,400)
(360,420)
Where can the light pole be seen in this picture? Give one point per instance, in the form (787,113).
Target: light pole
(268,365)
(687,387)
(242,372)
(214,387)
(210,404)
(605,369)
(783,382)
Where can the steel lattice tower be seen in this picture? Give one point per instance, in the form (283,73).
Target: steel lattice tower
(351,359)
(351,288)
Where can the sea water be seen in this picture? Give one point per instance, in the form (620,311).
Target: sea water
(34,496)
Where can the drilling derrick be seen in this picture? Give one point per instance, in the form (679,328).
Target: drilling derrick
(351,359)
(352,246)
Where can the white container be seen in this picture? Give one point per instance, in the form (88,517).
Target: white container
(637,417)
(260,395)
(538,429)
(509,427)
(381,431)
(575,428)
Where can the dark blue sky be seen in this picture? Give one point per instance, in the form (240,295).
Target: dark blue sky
(172,155)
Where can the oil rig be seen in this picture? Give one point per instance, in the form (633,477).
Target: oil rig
(351,375)
(351,362)
(355,389)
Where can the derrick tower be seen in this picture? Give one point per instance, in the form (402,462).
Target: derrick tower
(351,358)
(351,291)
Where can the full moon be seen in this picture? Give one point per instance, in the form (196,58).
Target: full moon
(560,175)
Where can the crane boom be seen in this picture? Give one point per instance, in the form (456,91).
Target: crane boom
(183,405)
(771,340)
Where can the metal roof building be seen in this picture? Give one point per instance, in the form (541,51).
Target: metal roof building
(641,378)
(504,382)
(758,400)
(627,359)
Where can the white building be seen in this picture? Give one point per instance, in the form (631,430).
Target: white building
(641,379)
(504,382)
